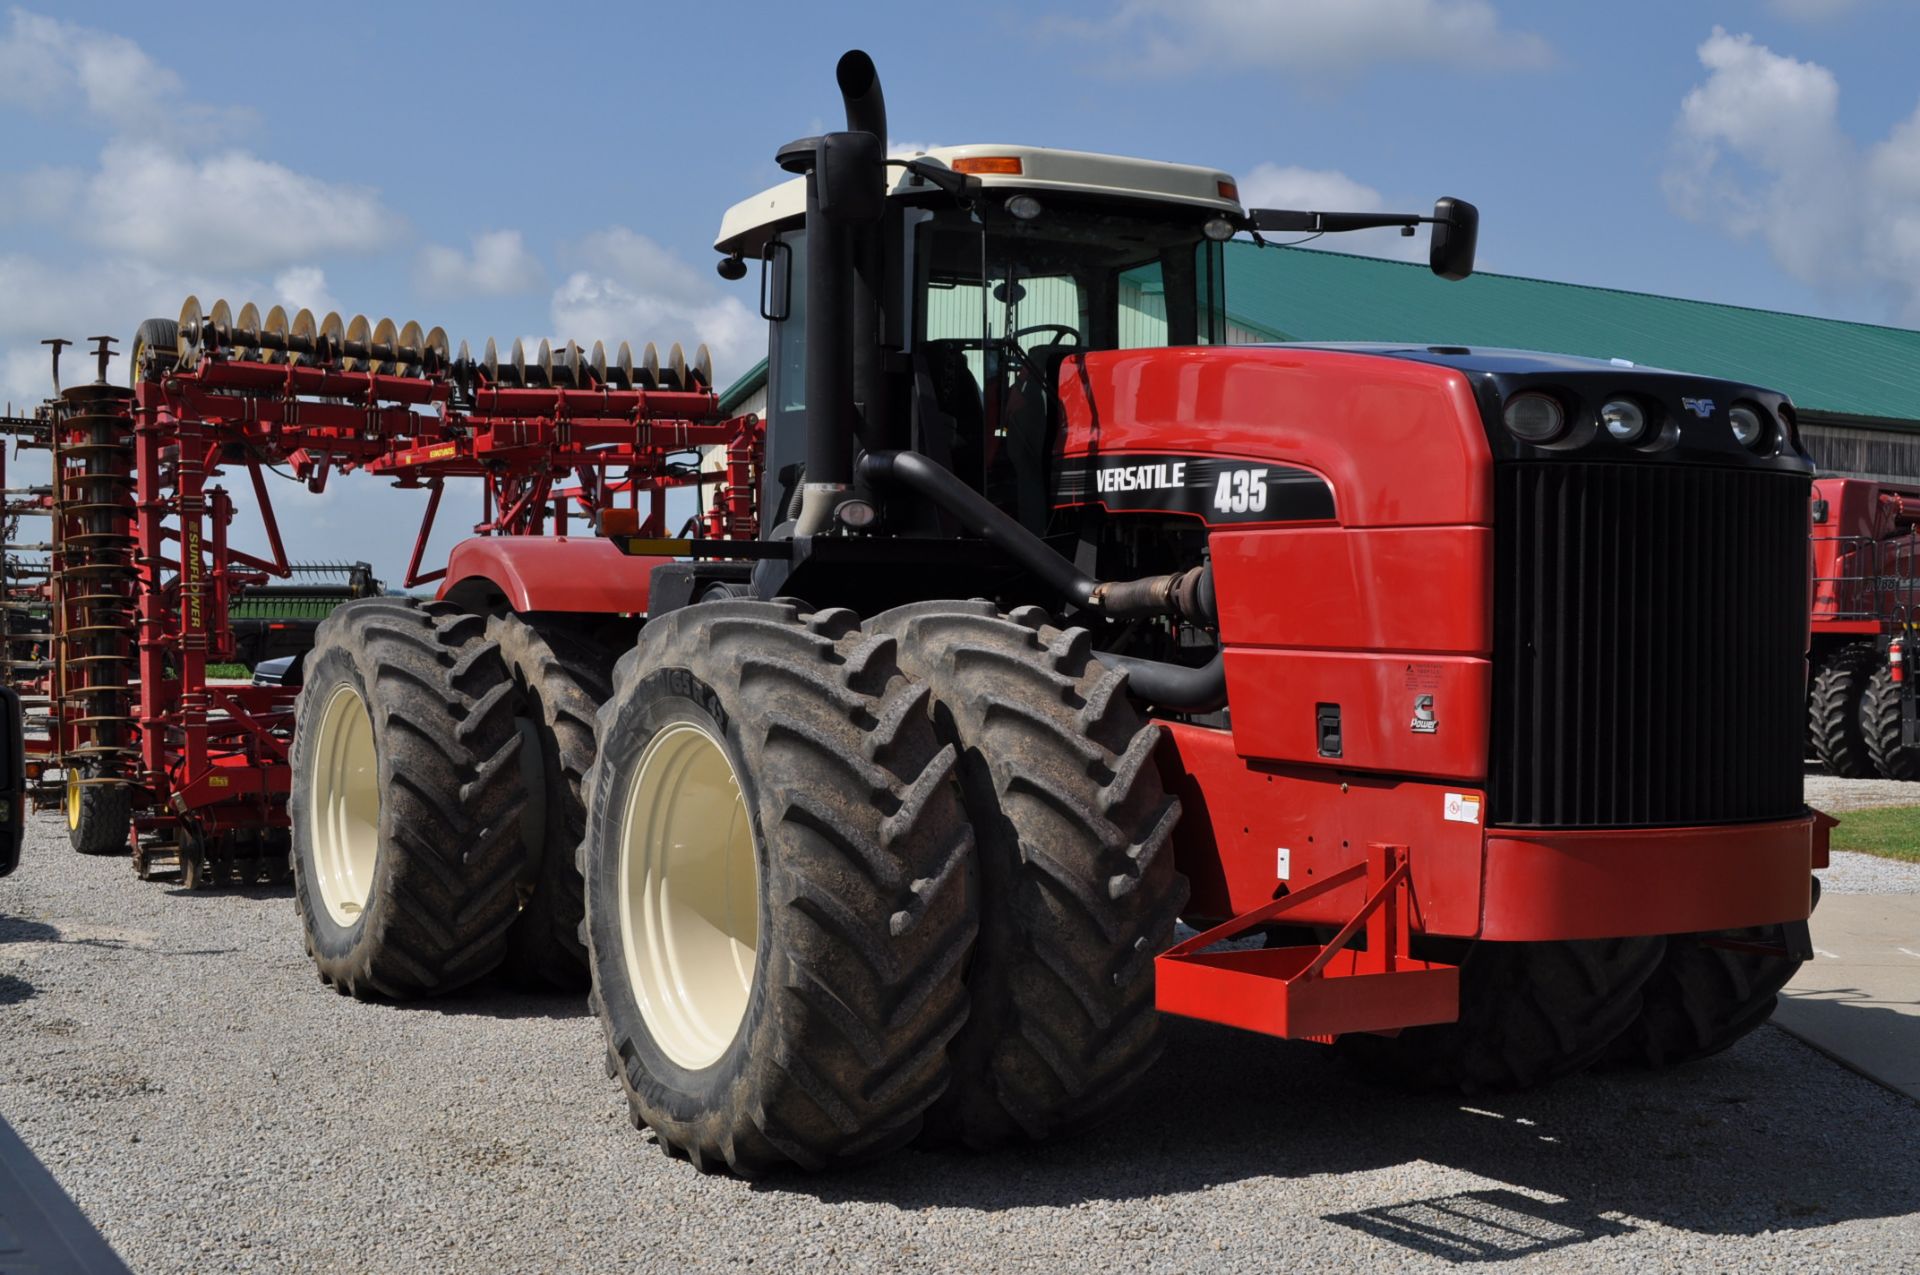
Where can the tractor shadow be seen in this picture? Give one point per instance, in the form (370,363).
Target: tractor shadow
(1770,1136)
(497,996)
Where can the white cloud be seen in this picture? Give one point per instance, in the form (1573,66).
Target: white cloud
(304,288)
(52,67)
(1760,153)
(498,266)
(631,289)
(1328,190)
(227,211)
(1318,37)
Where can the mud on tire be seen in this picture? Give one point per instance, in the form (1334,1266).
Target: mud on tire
(864,880)
(448,869)
(1079,891)
(562,679)
(1529,1013)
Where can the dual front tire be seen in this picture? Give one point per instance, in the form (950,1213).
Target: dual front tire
(957,842)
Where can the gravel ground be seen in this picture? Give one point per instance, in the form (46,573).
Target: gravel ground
(1833,794)
(1863,873)
(174,1061)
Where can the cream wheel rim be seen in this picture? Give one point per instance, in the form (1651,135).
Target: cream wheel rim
(345,821)
(73,799)
(689,894)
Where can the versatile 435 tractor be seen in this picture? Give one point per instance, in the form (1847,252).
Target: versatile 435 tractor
(1472,680)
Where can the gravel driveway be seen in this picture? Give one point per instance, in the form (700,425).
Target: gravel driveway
(175,1062)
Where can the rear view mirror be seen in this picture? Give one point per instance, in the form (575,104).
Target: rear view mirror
(1456,233)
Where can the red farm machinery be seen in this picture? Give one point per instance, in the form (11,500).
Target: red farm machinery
(1866,581)
(1037,622)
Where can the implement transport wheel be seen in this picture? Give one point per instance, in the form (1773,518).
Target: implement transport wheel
(1079,891)
(1705,997)
(98,814)
(562,680)
(1529,1013)
(780,889)
(407,797)
(156,345)
(1834,725)
(1880,713)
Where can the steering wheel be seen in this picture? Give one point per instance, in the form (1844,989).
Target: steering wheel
(1071,334)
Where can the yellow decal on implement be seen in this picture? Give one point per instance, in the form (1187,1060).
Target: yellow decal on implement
(443,451)
(216,781)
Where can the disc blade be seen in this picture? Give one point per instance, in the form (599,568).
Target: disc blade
(413,349)
(276,325)
(623,367)
(703,367)
(677,367)
(333,333)
(648,370)
(359,331)
(437,347)
(304,336)
(221,320)
(597,363)
(188,341)
(386,334)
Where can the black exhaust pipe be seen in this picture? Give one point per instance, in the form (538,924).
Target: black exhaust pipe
(866,109)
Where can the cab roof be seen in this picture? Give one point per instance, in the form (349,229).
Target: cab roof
(748,224)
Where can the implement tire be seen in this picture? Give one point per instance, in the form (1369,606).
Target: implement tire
(1704,998)
(1880,719)
(1834,707)
(407,800)
(562,680)
(98,815)
(1529,1013)
(1079,890)
(780,889)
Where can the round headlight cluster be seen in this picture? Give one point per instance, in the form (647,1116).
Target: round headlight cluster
(1749,426)
(1625,420)
(1536,418)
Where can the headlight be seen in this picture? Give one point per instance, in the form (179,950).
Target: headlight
(1025,207)
(1537,418)
(1626,420)
(1749,428)
(1217,229)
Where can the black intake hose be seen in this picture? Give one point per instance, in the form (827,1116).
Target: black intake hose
(1187,593)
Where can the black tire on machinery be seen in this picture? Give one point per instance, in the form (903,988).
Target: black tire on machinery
(867,888)
(106,816)
(451,865)
(1072,829)
(1529,1013)
(1834,724)
(562,679)
(1880,720)
(1705,998)
(154,334)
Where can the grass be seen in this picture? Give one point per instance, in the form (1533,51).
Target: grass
(229,672)
(1892,832)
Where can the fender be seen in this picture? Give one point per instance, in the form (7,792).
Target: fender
(548,573)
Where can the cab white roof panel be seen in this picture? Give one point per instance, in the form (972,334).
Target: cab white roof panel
(748,223)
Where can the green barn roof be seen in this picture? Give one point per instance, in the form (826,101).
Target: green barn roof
(1825,365)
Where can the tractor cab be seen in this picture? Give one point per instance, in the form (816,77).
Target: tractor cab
(981,297)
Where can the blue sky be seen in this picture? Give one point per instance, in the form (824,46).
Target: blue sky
(512,175)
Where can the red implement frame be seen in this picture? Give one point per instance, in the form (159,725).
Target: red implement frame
(209,760)
(1316,993)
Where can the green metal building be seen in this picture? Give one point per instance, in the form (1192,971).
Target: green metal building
(1856,385)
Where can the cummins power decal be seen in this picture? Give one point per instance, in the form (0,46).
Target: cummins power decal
(1219,489)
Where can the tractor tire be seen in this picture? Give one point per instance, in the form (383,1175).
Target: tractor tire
(1704,998)
(98,815)
(780,889)
(407,800)
(1529,1013)
(1834,725)
(1078,887)
(1880,719)
(162,336)
(562,680)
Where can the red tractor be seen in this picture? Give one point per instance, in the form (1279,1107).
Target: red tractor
(1866,565)
(1041,622)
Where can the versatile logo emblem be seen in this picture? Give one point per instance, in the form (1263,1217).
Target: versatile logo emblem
(1701,407)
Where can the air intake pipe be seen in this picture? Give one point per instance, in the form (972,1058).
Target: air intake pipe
(1185,594)
(866,109)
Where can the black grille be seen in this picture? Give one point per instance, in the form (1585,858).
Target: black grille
(1649,645)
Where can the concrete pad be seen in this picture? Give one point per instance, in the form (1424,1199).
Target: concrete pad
(1859,998)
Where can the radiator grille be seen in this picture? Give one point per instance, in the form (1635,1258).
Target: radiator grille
(1649,645)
